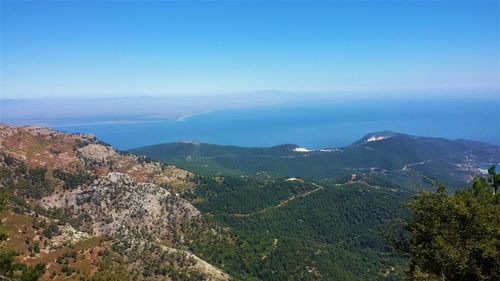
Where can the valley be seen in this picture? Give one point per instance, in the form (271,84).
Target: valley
(75,208)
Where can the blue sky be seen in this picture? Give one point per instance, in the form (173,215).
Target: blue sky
(92,49)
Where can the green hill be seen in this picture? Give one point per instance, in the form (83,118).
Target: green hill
(404,159)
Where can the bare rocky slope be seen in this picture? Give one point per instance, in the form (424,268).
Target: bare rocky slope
(81,207)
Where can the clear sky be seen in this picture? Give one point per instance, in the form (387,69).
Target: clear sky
(69,49)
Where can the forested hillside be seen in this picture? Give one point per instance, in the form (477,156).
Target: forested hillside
(293,230)
(73,208)
(401,159)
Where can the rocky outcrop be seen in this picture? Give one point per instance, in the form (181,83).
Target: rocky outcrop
(104,193)
(115,204)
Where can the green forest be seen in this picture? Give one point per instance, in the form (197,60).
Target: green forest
(329,232)
(279,229)
(303,231)
(407,161)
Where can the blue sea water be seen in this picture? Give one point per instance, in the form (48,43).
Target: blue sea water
(312,125)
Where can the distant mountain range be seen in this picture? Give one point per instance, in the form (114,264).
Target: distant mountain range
(401,159)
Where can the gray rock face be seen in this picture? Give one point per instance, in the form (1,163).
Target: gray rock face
(97,152)
(115,204)
(138,214)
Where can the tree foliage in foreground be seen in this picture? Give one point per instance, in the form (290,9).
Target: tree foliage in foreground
(455,237)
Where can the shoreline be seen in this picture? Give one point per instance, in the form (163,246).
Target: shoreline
(187,116)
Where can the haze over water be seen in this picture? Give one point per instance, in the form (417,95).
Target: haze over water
(309,124)
(176,58)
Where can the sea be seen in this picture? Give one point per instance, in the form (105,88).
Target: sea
(314,125)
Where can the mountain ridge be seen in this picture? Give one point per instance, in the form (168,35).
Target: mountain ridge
(385,152)
(386,134)
(71,190)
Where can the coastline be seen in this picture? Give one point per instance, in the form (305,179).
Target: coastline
(186,117)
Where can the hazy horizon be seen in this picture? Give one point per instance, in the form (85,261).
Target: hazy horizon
(116,49)
(261,120)
(55,110)
(119,68)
